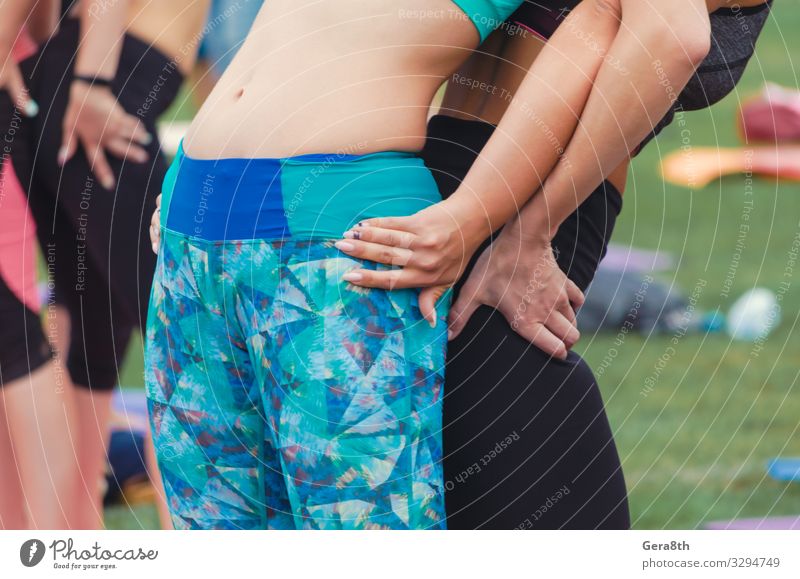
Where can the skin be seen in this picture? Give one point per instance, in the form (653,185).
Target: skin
(433,246)
(38,479)
(38,413)
(95,119)
(38,17)
(676,35)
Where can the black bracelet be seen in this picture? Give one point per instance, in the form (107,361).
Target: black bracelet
(93,80)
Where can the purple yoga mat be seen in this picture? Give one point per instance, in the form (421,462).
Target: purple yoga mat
(767,524)
(624,258)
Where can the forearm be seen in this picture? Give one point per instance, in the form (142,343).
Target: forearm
(539,122)
(102,32)
(660,47)
(13,16)
(44,20)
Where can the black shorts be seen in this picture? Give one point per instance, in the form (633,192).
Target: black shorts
(96,239)
(23,346)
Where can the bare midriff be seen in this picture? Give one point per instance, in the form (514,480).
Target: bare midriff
(350,76)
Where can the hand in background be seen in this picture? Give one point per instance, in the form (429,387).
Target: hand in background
(11,80)
(95,118)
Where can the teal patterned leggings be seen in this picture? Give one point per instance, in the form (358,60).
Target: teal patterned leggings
(283,398)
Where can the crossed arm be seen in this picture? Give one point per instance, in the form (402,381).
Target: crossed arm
(612,69)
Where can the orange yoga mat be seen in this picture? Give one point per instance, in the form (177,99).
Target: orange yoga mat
(697,167)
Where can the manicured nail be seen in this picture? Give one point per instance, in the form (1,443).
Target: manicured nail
(344,246)
(107,183)
(31,108)
(155,248)
(352,276)
(148,138)
(352,234)
(62,155)
(449,335)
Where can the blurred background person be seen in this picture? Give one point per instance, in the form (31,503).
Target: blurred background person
(92,168)
(38,468)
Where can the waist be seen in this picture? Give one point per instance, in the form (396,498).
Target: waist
(316,196)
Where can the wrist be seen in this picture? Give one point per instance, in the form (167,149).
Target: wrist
(532,226)
(97,81)
(471,219)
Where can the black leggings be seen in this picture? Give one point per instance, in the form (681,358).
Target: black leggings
(96,241)
(526,439)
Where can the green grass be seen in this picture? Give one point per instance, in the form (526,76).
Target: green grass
(694,448)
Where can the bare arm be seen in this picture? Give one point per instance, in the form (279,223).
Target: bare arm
(94,117)
(14,16)
(44,20)
(102,32)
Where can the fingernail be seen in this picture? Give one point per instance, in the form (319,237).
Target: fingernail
(62,155)
(449,335)
(155,248)
(31,108)
(352,234)
(107,183)
(148,138)
(352,276)
(344,246)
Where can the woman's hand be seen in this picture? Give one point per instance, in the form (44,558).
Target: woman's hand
(522,280)
(95,118)
(155,225)
(11,80)
(432,248)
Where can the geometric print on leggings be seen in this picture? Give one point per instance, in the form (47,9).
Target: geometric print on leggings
(282,397)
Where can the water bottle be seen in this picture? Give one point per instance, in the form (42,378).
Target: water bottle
(754,315)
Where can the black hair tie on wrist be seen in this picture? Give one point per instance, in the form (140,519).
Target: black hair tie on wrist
(93,80)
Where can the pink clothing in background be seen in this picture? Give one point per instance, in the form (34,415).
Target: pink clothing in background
(17,230)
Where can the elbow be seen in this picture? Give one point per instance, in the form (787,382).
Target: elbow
(696,47)
(685,40)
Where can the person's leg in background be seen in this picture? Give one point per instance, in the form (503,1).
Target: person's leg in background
(103,264)
(12,499)
(90,334)
(38,416)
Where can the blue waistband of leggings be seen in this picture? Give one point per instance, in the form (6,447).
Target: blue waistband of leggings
(308,196)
